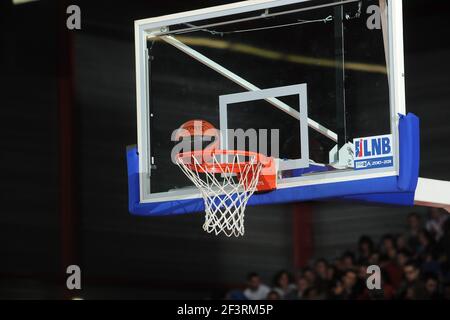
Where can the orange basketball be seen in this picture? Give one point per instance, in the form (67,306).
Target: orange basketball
(196,127)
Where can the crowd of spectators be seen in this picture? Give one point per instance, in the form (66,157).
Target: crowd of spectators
(414,266)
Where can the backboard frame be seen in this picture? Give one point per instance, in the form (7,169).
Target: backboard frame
(146,28)
(299,90)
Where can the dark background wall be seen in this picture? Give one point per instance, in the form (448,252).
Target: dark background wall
(43,226)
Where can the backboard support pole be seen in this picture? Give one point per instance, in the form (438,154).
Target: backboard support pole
(339,50)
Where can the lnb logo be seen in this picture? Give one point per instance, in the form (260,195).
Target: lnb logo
(373,152)
(371,147)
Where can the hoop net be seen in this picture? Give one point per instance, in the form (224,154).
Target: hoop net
(226,179)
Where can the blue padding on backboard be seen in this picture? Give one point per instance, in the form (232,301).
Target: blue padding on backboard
(395,198)
(409,136)
(157,208)
(409,152)
(397,190)
(133,177)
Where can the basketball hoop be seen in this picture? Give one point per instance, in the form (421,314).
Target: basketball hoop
(226,180)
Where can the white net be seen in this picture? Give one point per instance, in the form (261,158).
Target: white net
(225,187)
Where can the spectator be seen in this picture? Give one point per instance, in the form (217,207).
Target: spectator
(273,295)
(346,288)
(403,257)
(362,278)
(435,223)
(401,243)
(256,290)
(387,291)
(348,260)
(387,244)
(350,281)
(322,283)
(432,287)
(300,292)
(340,269)
(412,288)
(374,258)
(362,272)
(414,226)
(283,284)
(365,249)
(320,267)
(426,244)
(431,264)
(391,254)
(331,274)
(310,276)
(393,272)
(337,291)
